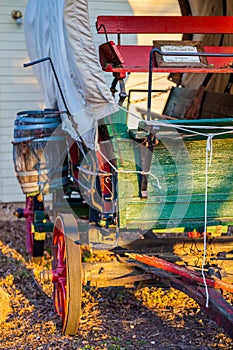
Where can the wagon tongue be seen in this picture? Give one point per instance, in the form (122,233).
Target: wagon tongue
(194,285)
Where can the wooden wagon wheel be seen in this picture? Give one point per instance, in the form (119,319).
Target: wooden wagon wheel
(67,272)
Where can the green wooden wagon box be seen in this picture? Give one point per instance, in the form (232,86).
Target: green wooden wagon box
(191,167)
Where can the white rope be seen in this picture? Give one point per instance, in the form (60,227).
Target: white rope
(184,128)
(94,173)
(130,171)
(209,148)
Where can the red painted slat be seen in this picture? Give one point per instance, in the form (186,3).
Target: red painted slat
(136,59)
(165,24)
(184,272)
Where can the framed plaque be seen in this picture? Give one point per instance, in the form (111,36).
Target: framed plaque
(182,46)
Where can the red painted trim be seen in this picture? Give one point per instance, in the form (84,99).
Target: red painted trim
(181,271)
(136,59)
(165,24)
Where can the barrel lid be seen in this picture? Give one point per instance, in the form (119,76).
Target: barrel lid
(32,112)
(46,112)
(19,126)
(37,120)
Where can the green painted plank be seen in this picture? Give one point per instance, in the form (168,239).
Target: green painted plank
(180,169)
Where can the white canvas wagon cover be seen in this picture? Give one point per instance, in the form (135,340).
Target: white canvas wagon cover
(61,30)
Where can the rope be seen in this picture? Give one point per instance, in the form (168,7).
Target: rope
(207,164)
(129,171)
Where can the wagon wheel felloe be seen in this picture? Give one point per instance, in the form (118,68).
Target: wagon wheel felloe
(67,272)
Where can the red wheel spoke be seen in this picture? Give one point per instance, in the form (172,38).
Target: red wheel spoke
(56,299)
(59,270)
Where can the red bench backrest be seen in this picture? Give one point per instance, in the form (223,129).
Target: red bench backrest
(165,24)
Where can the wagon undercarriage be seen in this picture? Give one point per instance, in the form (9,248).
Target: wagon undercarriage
(128,266)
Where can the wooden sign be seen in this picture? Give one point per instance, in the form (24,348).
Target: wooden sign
(178,60)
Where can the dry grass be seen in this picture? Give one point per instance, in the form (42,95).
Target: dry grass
(112,319)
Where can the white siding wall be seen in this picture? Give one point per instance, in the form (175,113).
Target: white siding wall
(18,87)
(18,91)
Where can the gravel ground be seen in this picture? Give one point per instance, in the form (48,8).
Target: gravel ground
(113,318)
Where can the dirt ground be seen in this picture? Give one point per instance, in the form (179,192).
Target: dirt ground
(112,319)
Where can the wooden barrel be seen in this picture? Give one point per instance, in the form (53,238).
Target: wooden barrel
(39,151)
